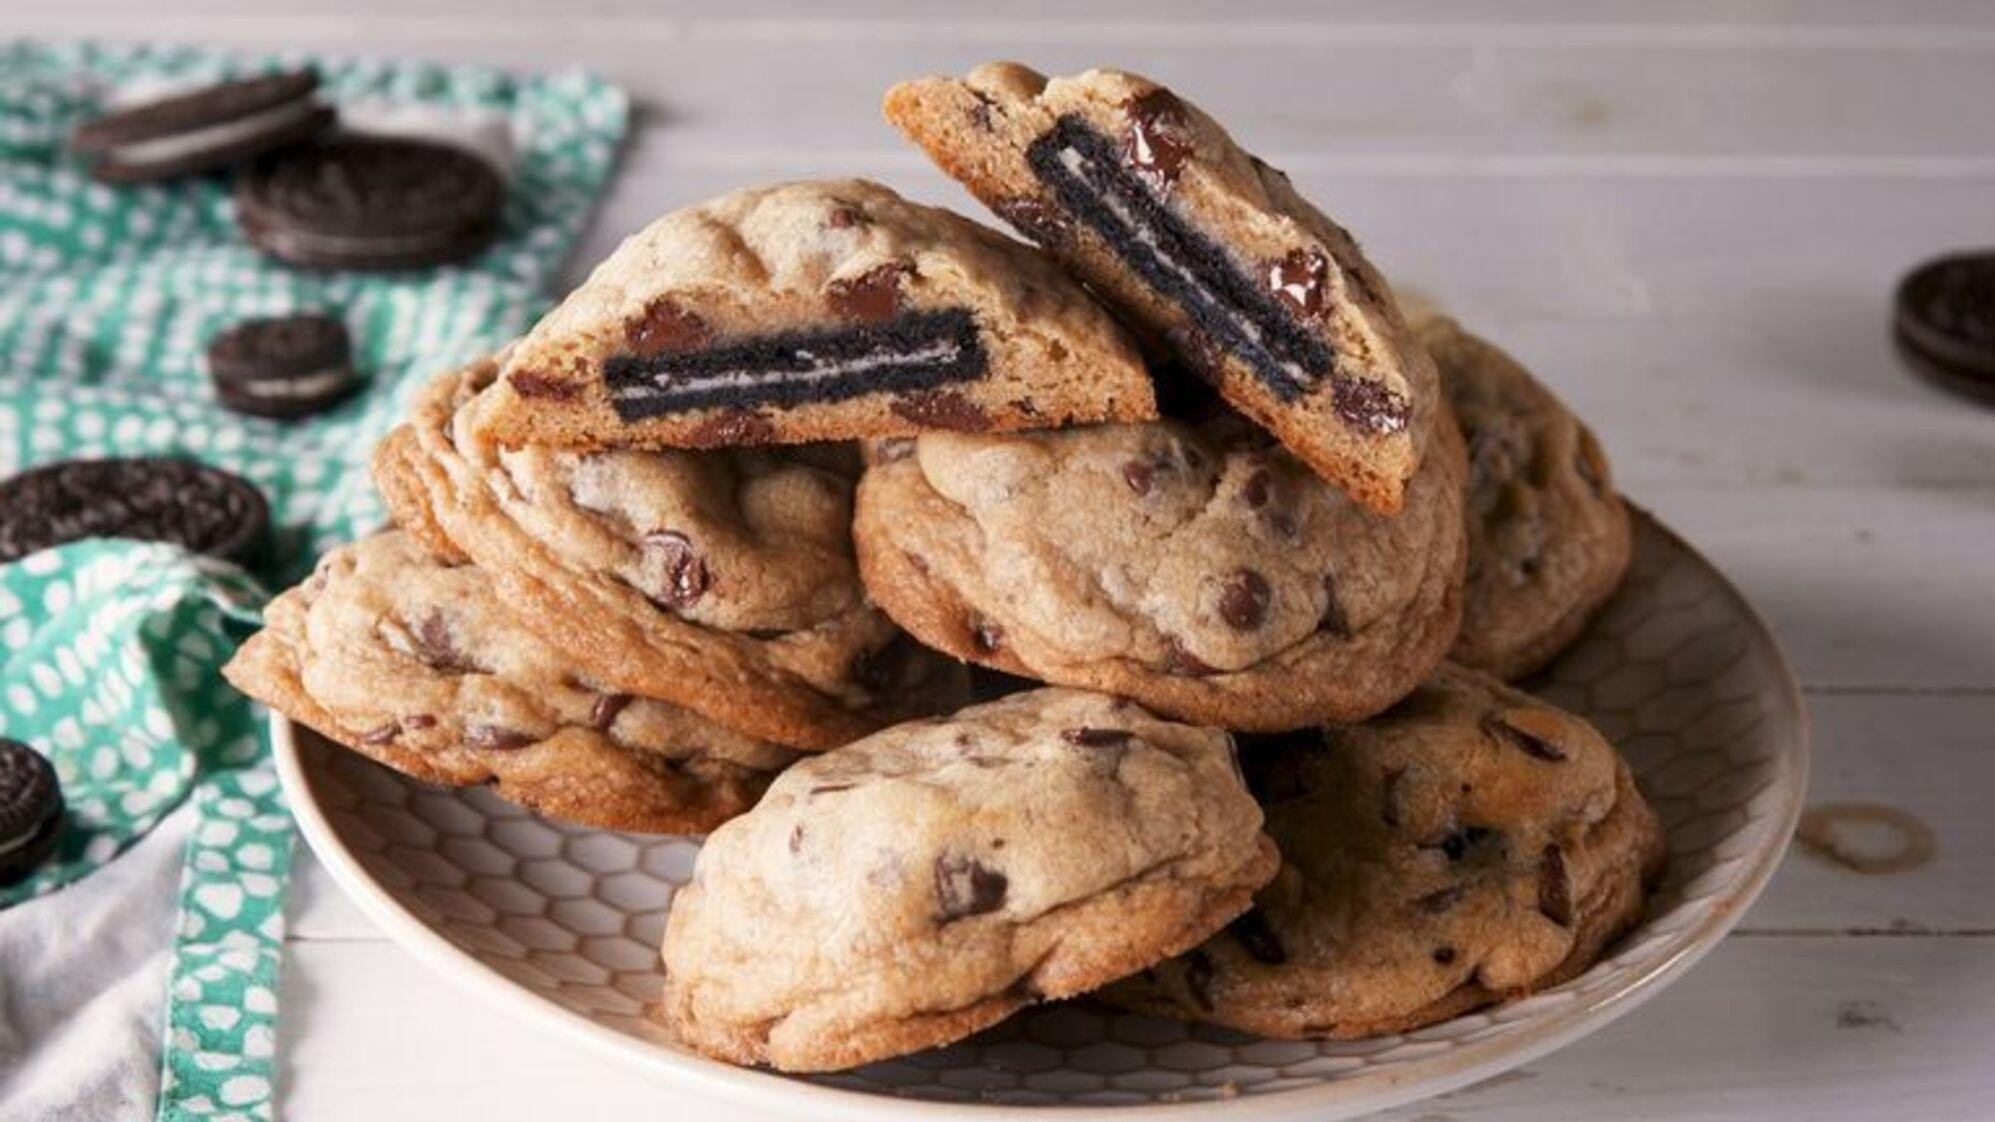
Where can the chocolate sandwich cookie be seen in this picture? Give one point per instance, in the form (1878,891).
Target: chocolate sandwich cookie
(1946,323)
(360,202)
(926,882)
(283,366)
(815,311)
(1471,845)
(151,498)
(1151,203)
(416,664)
(203,129)
(30,810)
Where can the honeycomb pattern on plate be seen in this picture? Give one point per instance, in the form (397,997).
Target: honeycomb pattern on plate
(1676,671)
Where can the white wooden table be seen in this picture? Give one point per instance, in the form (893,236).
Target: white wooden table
(1688,218)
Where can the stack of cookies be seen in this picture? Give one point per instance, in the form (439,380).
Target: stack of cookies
(1240,556)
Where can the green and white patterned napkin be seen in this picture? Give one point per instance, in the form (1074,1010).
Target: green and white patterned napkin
(112,649)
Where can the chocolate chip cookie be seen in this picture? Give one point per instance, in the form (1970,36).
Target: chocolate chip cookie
(723,582)
(815,311)
(1151,202)
(907,890)
(414,663)
(1471,845)
(1202,571)
(1549,538)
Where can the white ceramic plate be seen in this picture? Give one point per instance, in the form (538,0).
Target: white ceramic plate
(562,924)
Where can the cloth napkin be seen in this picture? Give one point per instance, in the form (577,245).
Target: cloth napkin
(168,956)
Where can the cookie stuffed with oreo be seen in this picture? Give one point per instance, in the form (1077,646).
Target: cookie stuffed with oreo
(202,130)
(367,202)
(283,367)
(31,810)
(154,498)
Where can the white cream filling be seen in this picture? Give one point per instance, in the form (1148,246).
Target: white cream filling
(304,385)
(168,148)
(942,350)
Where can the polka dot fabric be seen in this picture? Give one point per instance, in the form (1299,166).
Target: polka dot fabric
(113,649)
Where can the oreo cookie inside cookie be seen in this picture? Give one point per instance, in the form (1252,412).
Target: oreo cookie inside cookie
(360,202)
(1119,189)
(203,129)
(282,366)
(31,810)
(1946,322)
(189,504)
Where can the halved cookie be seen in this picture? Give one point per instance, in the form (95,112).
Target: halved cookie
(1203,572)
(926,882)
(1472,844)
(723,582)
(413,662)
(1152,203)
(815,311)
(1548,535)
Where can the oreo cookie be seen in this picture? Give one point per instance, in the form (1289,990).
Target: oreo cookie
(31,810)
(203,129)
(156,498)
(359,202)
(1946,323)
(283,366)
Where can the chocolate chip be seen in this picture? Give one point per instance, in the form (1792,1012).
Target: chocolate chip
(1389,796)
(434,645)
(1529,743)
(873,296)
(1254,492)
(1301,281)
(1333,621)
(604,712)
(1444,955)
(381,735)
(666,326)
(917,562)
(1198,978)
(1259,940)
(1178,660)
(1554,889)
(1434,903)
(797,838)
(829,788)
(1037,219)
(986,636)
(1096,738)
(982,110)
(731,428)
(419,721)
(1140,475)
(965,886)
(528,383)
(1243,599)
(942,409)
(685,571)
(495,738)
(1159,140)
(844,218)
(1370,406)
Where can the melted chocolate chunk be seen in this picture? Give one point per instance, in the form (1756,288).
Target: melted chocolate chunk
(1159,140)
(829,788)
(965,886)
(1140,475)
(604,712)
(1254,492)
(685,571)
(1254,935)
(902,353)
(438,650)
(1371,406)
(1457,844)
(1198,978)
(942,409)
(1243,600)
(845,217)
(1554,889)
(530,383)
(1444,955)
(1528,743)
(1097,738)
(665,326)
(1301,281)
(1434,903)
(1178,660)
(1037,219)
(495,738)
(873,296)
(796,839)
(419,721)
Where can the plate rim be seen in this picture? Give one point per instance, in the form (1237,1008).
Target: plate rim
(1349,1095)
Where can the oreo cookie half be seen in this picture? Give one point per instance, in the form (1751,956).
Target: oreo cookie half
(1945,326)
(359,202)
(283,366)
(155,498)
(30,810)
(203,129)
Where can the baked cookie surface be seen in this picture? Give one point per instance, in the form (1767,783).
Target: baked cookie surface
(914,887)
(815,311)
(722,581)
(1549,538)
(1151,202)
(414,663)
(1470,845)
(1201,571)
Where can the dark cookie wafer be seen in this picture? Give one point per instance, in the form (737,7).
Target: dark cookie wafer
(361,202)
(30,810)
(154,498)
(1946,322)
(282,366)
(204,129)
